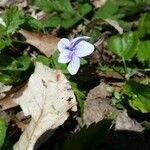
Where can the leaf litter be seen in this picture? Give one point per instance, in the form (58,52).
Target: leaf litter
(35,103)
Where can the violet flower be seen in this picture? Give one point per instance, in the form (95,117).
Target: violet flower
(72,50)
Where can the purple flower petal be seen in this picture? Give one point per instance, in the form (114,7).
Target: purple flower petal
(74,65)
(83,49)
(75,41)
(63,44)
(64,57)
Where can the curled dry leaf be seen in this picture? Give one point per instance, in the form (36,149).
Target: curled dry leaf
(46,44)
(4,89)
(115,24)
(47,98)
(99,3)
(8,101)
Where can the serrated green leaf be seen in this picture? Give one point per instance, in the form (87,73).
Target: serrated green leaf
(84,9)
(21,64)
(34,23)
(144,24)
(124,46)
(88,138)
(44,5)
(143,51)
(56,5)
(108,10)
(2,131)
(2,29)
(13,18)
(4,43)
(43,60)
(69,22)
(139,95)
(52,22)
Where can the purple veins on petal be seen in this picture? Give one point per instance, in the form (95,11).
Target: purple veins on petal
(77,40)
(83,49)
(71,51)
(63,44)
(74,65)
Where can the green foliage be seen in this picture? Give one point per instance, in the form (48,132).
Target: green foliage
(11,71)
(4,43)
(144,24)
(87,138)
(139,95)
(108,10)
(124,46)
(52,22)
(80,96)
(55,5)
(143,51)
(43,59)
(54,63)
(13,18)
(33,23)
(20,64)
(66,15)
(117,9)
(2,131)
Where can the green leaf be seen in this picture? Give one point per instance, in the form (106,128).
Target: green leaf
(85,9)
(143,51)
(44,5)
(139,95)
(52,22)
(56,65)
(88,138)
(144,24)
(69,22)
(2,44)
(2,29)
(108,10)
(55,5)
(83,61)
(43,60)
(13,18)
(21,64)
(80,96)
(35,23)
(124,46)
(2,131)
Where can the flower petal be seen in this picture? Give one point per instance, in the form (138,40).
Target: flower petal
(83,49)
(76,40)
(74,65)
(63,44)
(64,57)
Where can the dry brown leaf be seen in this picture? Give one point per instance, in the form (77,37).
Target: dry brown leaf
(124,122)
(47,98)
(7,102)
(4,89)
(97,105)
(46,44)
